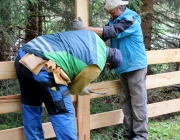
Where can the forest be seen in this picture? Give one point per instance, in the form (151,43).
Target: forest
(23,20)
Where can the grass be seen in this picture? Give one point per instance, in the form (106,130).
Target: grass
(10,120)
(165,128)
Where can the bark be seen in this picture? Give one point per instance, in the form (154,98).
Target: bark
(4,29)
(147,8)
(40,17)
(31,30)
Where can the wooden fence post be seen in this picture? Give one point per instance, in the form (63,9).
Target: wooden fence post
(82,103)
(82,10)
(83,117)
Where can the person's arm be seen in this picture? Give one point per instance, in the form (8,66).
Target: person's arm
(82,80)
(79,25)
(119,30)
(97,30)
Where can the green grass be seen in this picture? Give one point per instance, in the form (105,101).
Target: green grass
(10,120)
(165,129)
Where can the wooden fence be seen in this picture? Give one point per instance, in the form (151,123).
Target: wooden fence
(86,121)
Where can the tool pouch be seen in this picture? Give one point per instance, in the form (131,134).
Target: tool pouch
(32,62)
(61,77)
(50,66)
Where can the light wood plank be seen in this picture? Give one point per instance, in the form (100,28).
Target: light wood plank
(163,56)
(116,117)
(81,9)
(83,117)
(106,119)
(7,70)
(11,103)
(165,107)
(48,130)
(12,134)
(108,87)
(18,133)
(153,81)
(164,79)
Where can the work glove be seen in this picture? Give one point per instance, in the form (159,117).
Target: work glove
(87,91)
(78,24)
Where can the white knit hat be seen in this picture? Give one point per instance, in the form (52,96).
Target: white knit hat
(112,4)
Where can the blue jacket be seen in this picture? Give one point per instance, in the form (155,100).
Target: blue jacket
(126,34)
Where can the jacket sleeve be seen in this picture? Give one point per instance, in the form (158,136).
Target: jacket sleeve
(83,79)
(118,30)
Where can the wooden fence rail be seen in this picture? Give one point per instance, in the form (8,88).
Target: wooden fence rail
(85,120)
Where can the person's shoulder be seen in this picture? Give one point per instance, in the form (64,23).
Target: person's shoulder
(130,15)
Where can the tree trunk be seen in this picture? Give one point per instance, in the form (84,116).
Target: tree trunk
(31,30)
(40,17)
(5,46)
(147,9)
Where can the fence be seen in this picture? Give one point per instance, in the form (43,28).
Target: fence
(86,121)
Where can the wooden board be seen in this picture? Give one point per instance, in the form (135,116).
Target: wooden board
(153,81)
(18,133)
(12,103)
(164,79)
(7,70)
(82,8)
(83,103)
(83,117)
(163,56)
(116,117)
(108,87)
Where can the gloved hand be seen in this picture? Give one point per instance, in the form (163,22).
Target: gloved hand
(87,91)
(78,24)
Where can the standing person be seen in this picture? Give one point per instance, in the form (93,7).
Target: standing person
(50,68)
(125,33)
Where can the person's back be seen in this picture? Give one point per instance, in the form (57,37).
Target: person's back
(65,49)
(126,35)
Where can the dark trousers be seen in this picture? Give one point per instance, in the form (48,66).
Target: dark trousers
(133,96)
(38,89)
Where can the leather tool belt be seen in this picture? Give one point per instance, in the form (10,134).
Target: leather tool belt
(35,64)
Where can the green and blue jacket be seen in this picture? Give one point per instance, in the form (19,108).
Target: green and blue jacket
(70,50)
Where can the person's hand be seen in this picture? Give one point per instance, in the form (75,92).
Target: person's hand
(78,24)
(86,91)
